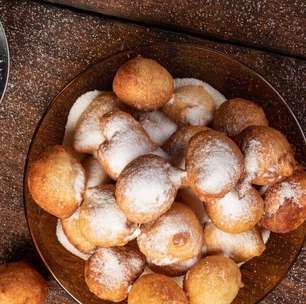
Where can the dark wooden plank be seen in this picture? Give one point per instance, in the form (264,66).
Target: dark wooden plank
(49,46)
(278,25)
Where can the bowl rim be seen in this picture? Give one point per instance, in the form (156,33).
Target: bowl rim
(195,45)
(7,51)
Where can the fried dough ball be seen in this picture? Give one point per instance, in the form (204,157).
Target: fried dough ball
(125,140)
(176,145)
(215,279)
(235,212)
(285,204)
(240,247)
(268,155)
(88,134)
(102,222)
(110,272)
(56,182)
(71,228)
(147,187)
(64,241)
(236,114)
(214,164)
(156,289)
(20,284)
(75,112)
(143,84)
(174,237)
(158,126)
(190,105)
(217,97)
(176,269)
(95,174)
(187,197)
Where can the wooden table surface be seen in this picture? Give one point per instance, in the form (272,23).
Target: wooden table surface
(49,45)
(278,25)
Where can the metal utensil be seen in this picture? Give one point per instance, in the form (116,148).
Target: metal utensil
(4,61)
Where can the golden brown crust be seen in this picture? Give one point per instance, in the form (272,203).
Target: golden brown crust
(176,145)
(190,105)
(285,204)
(156,289)
(101,221)
(125,140)
(146,188)
(143,83)
(214,164)
(89,123)
(234,115)
(268,155)
(20,283)
(238,246)
(215,279)
(56,182)
(236,212)
(110,272)
(71,228)
(176,236)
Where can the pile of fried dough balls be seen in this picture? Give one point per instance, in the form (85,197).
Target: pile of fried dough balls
(164,186)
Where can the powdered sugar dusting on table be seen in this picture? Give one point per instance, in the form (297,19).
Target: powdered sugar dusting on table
(218,165)
(66,244)
(215,94)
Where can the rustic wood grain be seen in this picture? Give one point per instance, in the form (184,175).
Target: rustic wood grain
(49,46)
(278,25)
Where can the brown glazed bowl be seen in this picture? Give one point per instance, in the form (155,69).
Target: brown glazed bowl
(233,79)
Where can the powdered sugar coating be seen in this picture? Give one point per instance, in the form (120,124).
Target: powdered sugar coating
(75,113)
(214,163)
(176,236)
(215,94)
(190,105)
(285,191)
(147,187)
(79,182)
(125,141)
(238,246)
(62,238)
(235,213)
(102,221)
(95,174)
(265,234)
(160,152)
(177,144)
(89,131)
(158,126)
(110,272)
(187,197)
(252,151)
